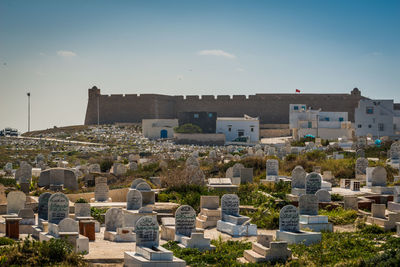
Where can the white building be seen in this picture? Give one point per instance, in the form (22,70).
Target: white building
(159,128)
(376,118)
(239,127)
(322,124)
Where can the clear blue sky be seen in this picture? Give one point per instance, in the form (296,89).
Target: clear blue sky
(59,49)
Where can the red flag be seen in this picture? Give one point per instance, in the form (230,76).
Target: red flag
(297,91)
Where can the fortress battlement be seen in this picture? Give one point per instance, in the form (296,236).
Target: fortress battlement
(270,108)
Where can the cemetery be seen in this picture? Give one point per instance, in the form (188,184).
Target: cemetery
(131,201)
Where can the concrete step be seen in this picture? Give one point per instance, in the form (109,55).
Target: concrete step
(260,249)
(253,257)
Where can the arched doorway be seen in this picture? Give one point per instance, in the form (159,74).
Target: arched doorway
(164,134)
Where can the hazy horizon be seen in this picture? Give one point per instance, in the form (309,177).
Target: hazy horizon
(57,50)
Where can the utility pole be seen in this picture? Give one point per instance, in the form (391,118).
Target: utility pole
(98,110)
(29,111)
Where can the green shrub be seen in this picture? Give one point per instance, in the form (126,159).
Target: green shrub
(336,197)
(340,216)
(225,253)
(35,253)
(81,200)
(4,241)
(188,128)
(8,182)
(371,229)
(105,165)
(344,249)
(98,213)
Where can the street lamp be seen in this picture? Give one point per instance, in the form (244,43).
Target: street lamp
(29,111)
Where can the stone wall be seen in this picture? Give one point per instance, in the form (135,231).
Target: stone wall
(271,108)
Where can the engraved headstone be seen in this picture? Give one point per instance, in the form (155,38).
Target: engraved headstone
(272,167)
(298,177)
(15,201)
(133,200)
(379,176)
(136,182)
(308,205)
(101,189)
(313,183)
(361,166)
(289,219)
(230,204)
(94,168)
(323,195)
(185,220)
(143,187)
(147,231)
(24,173)
(114,219)
(58,207)
(43,205)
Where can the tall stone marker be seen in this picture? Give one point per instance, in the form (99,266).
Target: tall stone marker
(289,219)
(15,201)
(58,208)
(101,189)
(43,206)
(230,205)
(185,220)
(308,205)
(147,232)
(133,200)
(313,183)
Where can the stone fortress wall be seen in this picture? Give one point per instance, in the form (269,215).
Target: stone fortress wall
(270,108)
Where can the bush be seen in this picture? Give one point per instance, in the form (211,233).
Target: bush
(8,182)
(4,241)
(188,128)
(81,200)
(340,216)
(36,253)
(336,197)
(98,214)
(371,229)
(225,253)
(106,164)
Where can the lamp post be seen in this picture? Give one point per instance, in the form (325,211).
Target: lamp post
(29,111)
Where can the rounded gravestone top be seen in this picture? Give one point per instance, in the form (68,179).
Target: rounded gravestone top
(147,230)
(136,182)
(143,187)
(313,183)
(323,195)
(133,199)
(185,220)
(68,225)
(58,207)
(298,177)
(289,219)
(114,219)
(15,201)
(308,205)
(230,204)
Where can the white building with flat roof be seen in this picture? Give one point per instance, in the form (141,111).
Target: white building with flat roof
(159,128)
(236,127)
(376,117)
(322,124)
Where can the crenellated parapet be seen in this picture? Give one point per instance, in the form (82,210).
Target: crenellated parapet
(271,108)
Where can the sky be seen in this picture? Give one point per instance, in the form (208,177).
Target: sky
(57,50)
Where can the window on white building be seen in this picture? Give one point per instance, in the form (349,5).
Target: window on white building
(381,127)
